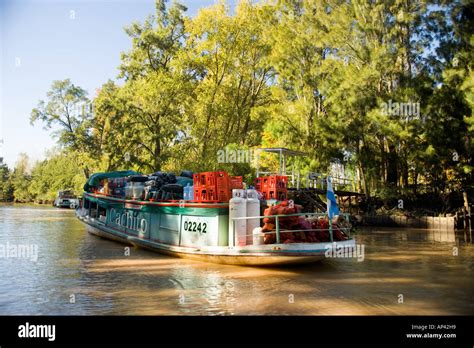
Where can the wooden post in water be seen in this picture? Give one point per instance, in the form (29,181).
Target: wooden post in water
(464,221)
(467,215)
(469,220)
(465,211)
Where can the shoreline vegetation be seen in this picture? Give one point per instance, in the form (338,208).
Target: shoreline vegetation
(385,89)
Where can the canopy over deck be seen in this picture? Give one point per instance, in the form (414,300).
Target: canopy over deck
(95,179)
(283,154)
(284,151)
(293,173)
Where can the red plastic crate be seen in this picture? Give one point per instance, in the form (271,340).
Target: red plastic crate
(205,195)
(211,179)
(206,179)
(223,195)
(272,187)
(236,182)
(199,180)
(212,186)
(197,194)
(222,180)
(209,195)
(278,194)
(282,182)
(215,186)
(276,182)
(258,184)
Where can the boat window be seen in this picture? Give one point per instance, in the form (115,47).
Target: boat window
(102,214)
(102,211)
(94,210)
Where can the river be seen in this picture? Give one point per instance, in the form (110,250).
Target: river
(403,272)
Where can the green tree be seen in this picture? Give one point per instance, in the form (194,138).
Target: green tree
(112,130)
(155,92)
(68,111)
(454,101)
(229,59)
(6,186)
(21,178)
(311,75)
(59,171)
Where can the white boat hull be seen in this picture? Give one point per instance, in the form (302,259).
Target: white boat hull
(253,255)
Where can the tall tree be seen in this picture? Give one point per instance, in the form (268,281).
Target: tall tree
(68,109)
(155,88)
(21,178)
(6,186)
(228,57)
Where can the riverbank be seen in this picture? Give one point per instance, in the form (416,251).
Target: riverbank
(428,222)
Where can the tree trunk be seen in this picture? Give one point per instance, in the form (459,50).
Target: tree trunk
(364,181)
(362,173)
(392,174)
(157,149)
(383,160)
(415,182)
(405,175)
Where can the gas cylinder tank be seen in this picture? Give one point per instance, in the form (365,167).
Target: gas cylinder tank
(237,209)
(253,209)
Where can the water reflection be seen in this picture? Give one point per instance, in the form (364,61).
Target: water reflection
(77,273)
(422,235)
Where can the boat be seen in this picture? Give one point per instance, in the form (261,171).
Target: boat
(204,231)
(66,199)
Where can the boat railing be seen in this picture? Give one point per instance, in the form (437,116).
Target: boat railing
(179,201)
(278,230)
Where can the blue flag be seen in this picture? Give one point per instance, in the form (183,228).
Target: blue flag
(331,203)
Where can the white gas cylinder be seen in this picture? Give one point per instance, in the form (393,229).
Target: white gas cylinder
(253,209)
(237,209)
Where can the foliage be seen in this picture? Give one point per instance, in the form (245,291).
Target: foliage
(310,75)
(58,172)
(68,109)
(6,185)
(21,178)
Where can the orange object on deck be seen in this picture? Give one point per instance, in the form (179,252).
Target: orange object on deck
(213,186)
(236,182)
(272,187)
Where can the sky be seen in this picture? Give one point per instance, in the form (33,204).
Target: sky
(46,40)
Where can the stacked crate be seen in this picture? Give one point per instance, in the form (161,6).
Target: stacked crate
(215,186)
(205,187)
(272,187)
(224,188)
(236,182)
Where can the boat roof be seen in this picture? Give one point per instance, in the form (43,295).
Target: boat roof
(94,179)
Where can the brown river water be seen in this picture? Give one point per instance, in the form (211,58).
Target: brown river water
(403,272)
